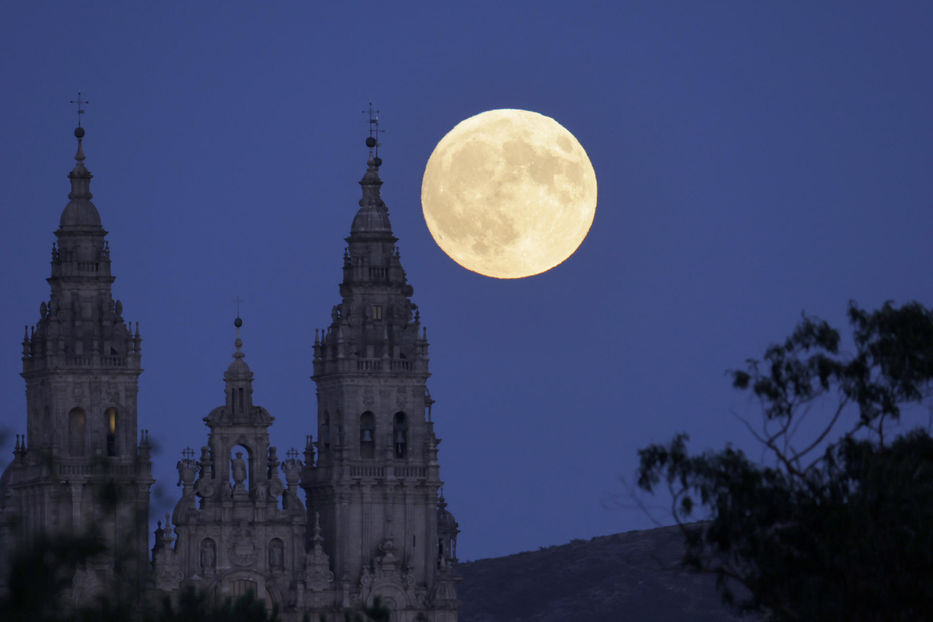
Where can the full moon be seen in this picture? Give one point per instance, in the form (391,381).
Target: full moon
(509,193)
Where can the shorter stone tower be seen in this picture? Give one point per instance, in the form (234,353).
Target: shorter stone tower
(238,527)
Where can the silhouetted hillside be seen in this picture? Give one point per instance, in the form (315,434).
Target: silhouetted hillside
(627,576)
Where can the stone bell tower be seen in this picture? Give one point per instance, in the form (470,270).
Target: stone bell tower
(376,480)
(81,363)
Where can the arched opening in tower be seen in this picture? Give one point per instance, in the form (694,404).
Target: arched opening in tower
(367,435)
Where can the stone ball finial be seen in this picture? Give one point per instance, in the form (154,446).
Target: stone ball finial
(370,142)
(238,322)
(79,132)
(377,161)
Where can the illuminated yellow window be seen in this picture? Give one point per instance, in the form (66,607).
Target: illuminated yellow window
(111,416)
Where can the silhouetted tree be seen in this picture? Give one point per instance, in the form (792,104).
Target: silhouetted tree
(377,612)
(41,568)
(834,526)
(40,571)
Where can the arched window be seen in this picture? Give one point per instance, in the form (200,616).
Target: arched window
(276,554)
(400,435)
(367,435)
(110,417)
(325,431)
(76,426)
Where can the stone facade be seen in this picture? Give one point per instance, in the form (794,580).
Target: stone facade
(374,525)
(236,527)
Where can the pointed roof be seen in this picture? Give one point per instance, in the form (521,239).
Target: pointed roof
(80,213)
(372,220)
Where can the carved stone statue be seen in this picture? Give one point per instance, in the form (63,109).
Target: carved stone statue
(204,464)
(276,555)
(208,555)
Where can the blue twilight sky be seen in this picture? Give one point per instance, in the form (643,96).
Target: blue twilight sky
(754,160)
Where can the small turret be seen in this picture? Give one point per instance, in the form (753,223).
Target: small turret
(239,380)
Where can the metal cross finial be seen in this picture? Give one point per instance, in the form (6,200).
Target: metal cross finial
(373,121)
(237,302)
(374,130)
(80,102)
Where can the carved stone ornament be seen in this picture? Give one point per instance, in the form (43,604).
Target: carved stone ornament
(242,549)
(366,581)
(318,575)
(276,488)
(205,487)
(401,398)
(369,398)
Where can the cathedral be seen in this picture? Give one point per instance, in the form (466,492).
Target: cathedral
(372,524)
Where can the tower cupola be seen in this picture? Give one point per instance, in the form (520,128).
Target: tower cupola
(239,384)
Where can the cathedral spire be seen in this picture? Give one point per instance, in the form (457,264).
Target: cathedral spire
(81,364)
(372,220)
(80,213)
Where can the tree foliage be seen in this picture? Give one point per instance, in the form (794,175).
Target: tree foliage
(837,522)
(42,569)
